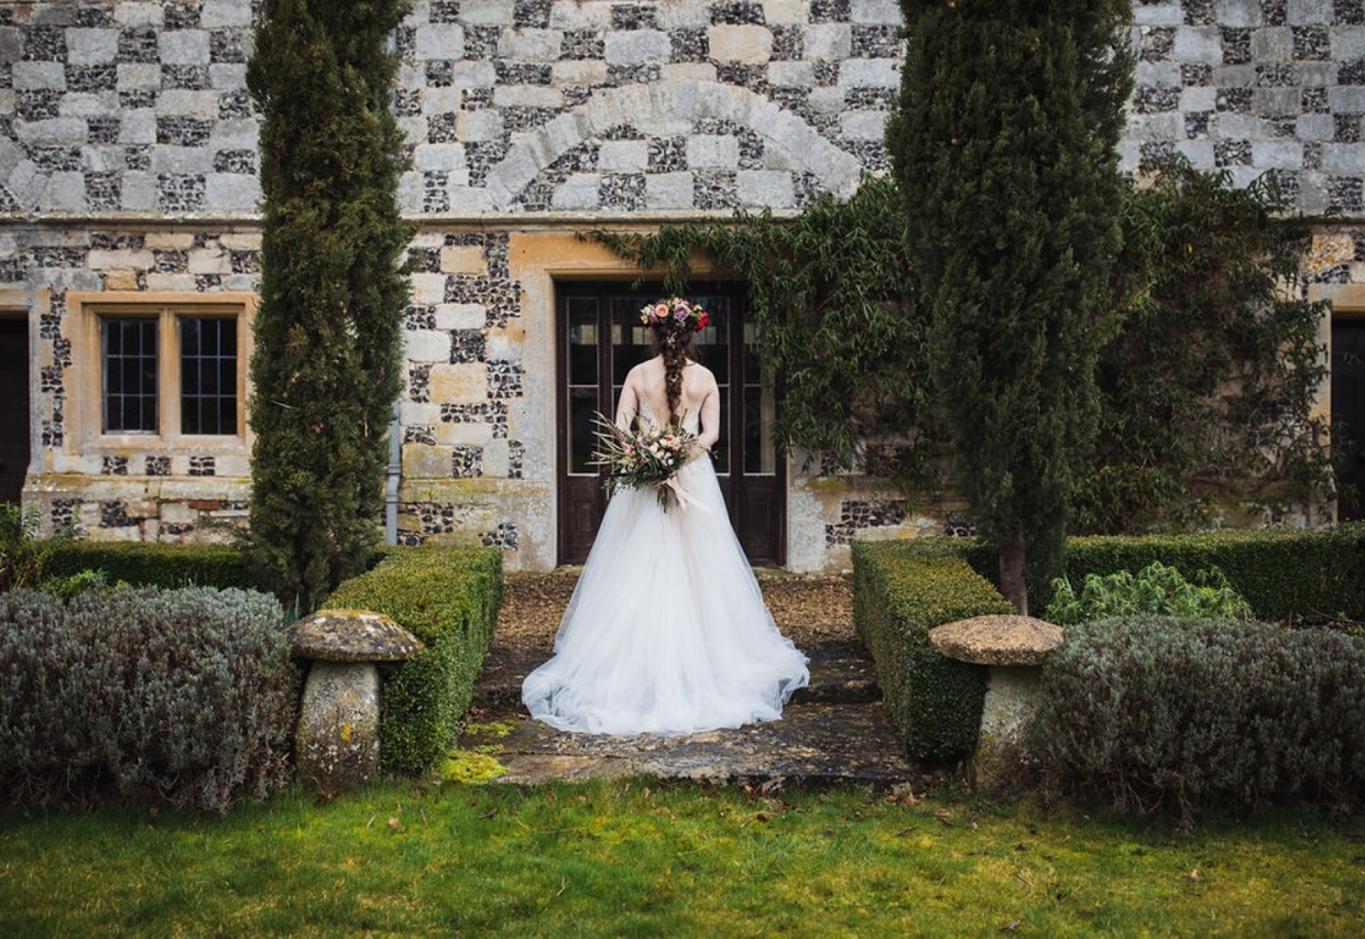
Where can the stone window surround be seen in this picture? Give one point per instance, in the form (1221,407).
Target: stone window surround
(85,376)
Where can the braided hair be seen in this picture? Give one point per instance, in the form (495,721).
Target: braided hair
(675,342)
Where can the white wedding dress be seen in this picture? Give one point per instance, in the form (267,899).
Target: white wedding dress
(666,631)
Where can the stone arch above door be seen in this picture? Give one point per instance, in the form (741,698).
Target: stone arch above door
(696,128)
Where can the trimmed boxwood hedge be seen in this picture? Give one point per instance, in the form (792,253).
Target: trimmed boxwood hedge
(1287,576)
(149,564)
(448,598)
(901,591)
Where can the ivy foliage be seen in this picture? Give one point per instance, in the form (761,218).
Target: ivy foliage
(829,292)
(1206,378)
(327,361)
(1207,389)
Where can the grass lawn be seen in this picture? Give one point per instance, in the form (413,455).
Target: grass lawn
(630,858)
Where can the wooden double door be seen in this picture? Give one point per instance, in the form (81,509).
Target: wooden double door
(600,338)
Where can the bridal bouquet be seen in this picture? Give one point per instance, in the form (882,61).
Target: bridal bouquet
(649,456)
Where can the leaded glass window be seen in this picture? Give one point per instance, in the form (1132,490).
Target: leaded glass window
(130,374)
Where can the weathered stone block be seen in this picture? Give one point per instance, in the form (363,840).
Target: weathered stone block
(742,43)
(578,191)
(622,156)
(460,315)
(1198,44)
(1277,154)
(637,47)
(38,76)
(475,126)
(828,41)
(438,156)
(711,150)
(863,125)
(423,461)
(184,47)
(465,383)
(764,187)
(530,45)
(791,74)
(875,11)
(463,259)
(669,190)
(579,72)
(788,12)
(869,73)
(91,46)
(440,41)
(427,345)
(218,14)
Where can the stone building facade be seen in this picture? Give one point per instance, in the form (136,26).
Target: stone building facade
(128,191)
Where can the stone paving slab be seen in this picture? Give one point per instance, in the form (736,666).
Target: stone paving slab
(835,730)
(841,671)
(814,742)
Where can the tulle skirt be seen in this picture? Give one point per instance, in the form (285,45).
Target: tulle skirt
(666,631)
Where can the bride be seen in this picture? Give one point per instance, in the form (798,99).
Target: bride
(666,631)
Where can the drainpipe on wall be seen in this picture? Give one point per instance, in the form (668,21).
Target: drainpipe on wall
(393,476)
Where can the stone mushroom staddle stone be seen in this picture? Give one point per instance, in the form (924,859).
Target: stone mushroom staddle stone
(1014,647)
(336,743)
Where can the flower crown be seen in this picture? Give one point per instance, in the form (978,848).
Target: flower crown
(685,314)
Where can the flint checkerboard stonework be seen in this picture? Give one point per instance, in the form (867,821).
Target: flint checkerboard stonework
(128,163)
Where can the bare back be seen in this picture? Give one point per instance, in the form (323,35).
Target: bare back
(700,395)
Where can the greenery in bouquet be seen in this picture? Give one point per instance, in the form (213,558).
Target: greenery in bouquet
(647,456)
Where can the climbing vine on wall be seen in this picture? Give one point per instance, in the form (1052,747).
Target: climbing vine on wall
(1207,389)
(1206,384)
(828,291)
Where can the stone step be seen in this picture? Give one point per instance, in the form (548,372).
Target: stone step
(841,671)
(847,742)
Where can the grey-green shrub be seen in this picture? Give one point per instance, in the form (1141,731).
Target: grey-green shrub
(1156,713)
(1156,590)
(186,696)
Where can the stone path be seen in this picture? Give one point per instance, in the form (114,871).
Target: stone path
(834,730)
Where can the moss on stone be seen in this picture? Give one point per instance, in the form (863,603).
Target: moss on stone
(470,766)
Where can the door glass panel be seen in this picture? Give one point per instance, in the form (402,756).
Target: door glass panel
(759,409)
(631,341)
(582,404)
(582,341)
(758,429)
(713,342)
(721,450)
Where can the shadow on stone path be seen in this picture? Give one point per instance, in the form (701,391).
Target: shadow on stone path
(835,730)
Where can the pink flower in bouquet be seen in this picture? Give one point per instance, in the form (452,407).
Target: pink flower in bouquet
(703,320)
(661,311)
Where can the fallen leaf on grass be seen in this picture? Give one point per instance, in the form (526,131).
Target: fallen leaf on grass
(394,824)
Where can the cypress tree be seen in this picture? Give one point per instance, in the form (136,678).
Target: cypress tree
(1003,147)
(327,360)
